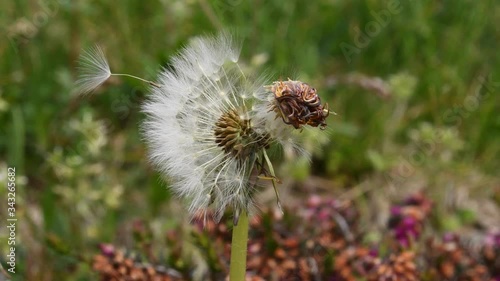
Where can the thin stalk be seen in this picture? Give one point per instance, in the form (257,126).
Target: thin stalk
(273,179)
(138,78)
(238,265)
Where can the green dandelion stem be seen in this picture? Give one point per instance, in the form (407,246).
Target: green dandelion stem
(238,265)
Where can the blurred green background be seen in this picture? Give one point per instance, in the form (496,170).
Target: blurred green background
(414,85)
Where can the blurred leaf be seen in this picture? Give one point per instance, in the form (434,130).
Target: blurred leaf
(466,216)
(377,160)
(17,135)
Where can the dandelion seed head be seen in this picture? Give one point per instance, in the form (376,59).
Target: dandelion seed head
(198,127)
(206,124)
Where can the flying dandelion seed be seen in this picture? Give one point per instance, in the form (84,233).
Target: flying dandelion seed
(93,70)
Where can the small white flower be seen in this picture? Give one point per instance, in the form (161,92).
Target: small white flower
(199,128)
(93,70)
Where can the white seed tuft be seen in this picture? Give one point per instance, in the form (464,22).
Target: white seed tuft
(181,117)
(93,70)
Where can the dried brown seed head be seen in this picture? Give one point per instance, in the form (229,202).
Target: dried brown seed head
(298,104)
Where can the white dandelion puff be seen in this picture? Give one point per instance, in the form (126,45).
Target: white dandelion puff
(198,127)
(93,70)
(208,126)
